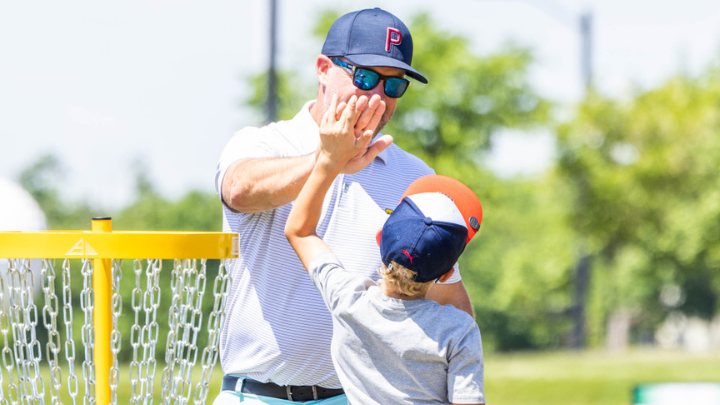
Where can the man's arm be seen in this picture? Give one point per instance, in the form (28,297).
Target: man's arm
(257,185)
(454,294)
(262,184)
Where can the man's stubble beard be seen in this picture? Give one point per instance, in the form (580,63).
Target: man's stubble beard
(384,120)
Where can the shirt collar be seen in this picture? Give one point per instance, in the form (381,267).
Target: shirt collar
(305,120)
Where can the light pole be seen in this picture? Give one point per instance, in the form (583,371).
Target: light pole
(583,23)
(271,102)
(586,48)
(583,268)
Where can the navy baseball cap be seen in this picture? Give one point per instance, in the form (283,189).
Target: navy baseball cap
(372,37)
(429,229)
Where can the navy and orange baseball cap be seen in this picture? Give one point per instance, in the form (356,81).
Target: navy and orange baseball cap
(372,37)
(428,231)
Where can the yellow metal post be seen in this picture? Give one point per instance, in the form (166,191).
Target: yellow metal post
(102,285)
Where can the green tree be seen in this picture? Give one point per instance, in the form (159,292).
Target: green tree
(517,269)
(646,178)
(292,93)
(42,179)
(195,211)
(468,98)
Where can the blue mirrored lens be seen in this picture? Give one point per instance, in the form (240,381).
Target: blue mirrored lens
(395,86)
(365,79)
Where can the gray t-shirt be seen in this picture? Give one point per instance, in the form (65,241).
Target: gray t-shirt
(391,351)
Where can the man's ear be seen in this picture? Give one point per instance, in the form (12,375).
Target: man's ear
(322,67)
(445,277)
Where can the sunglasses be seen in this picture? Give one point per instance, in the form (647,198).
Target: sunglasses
(366,79)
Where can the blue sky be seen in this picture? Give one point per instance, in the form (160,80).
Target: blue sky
(102,85)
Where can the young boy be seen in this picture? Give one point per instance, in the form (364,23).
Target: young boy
(391,345)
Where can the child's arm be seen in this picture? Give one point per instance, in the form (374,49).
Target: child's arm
(337,146)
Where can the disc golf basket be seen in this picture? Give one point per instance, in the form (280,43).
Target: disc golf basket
(47,363)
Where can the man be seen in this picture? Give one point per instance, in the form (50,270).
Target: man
(275,345)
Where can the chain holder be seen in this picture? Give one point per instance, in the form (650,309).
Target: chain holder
(97,288)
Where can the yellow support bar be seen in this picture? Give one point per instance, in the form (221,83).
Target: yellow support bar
(117,245)
(102,318)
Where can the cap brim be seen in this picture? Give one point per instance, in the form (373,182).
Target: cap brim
(370,60)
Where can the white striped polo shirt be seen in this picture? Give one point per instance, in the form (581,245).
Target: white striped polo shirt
(277,327)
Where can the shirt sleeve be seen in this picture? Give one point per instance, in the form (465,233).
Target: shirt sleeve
(247,143)
(335,284)
(466,381)
(455,278)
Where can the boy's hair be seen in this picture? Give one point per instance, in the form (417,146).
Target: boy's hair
(402,280)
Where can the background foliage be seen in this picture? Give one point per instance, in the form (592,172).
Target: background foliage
(646,177)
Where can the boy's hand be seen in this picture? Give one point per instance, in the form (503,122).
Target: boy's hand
(367,155)
(338,140)
(369,113)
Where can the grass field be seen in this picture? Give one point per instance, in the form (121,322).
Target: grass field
(589,378)
(557,378)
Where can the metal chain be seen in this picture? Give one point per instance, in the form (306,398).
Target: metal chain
(195,322)
(144,359)
(134,334)
(115,336)
(15,322)
(150,329)
(171,345)
(23,318)
(151,302)
(171,341)
(87,303)
(3,330)
(7,354)
(37,384)
(72,381)
(216,321)
(187,322)
(142,370)
(50,312)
